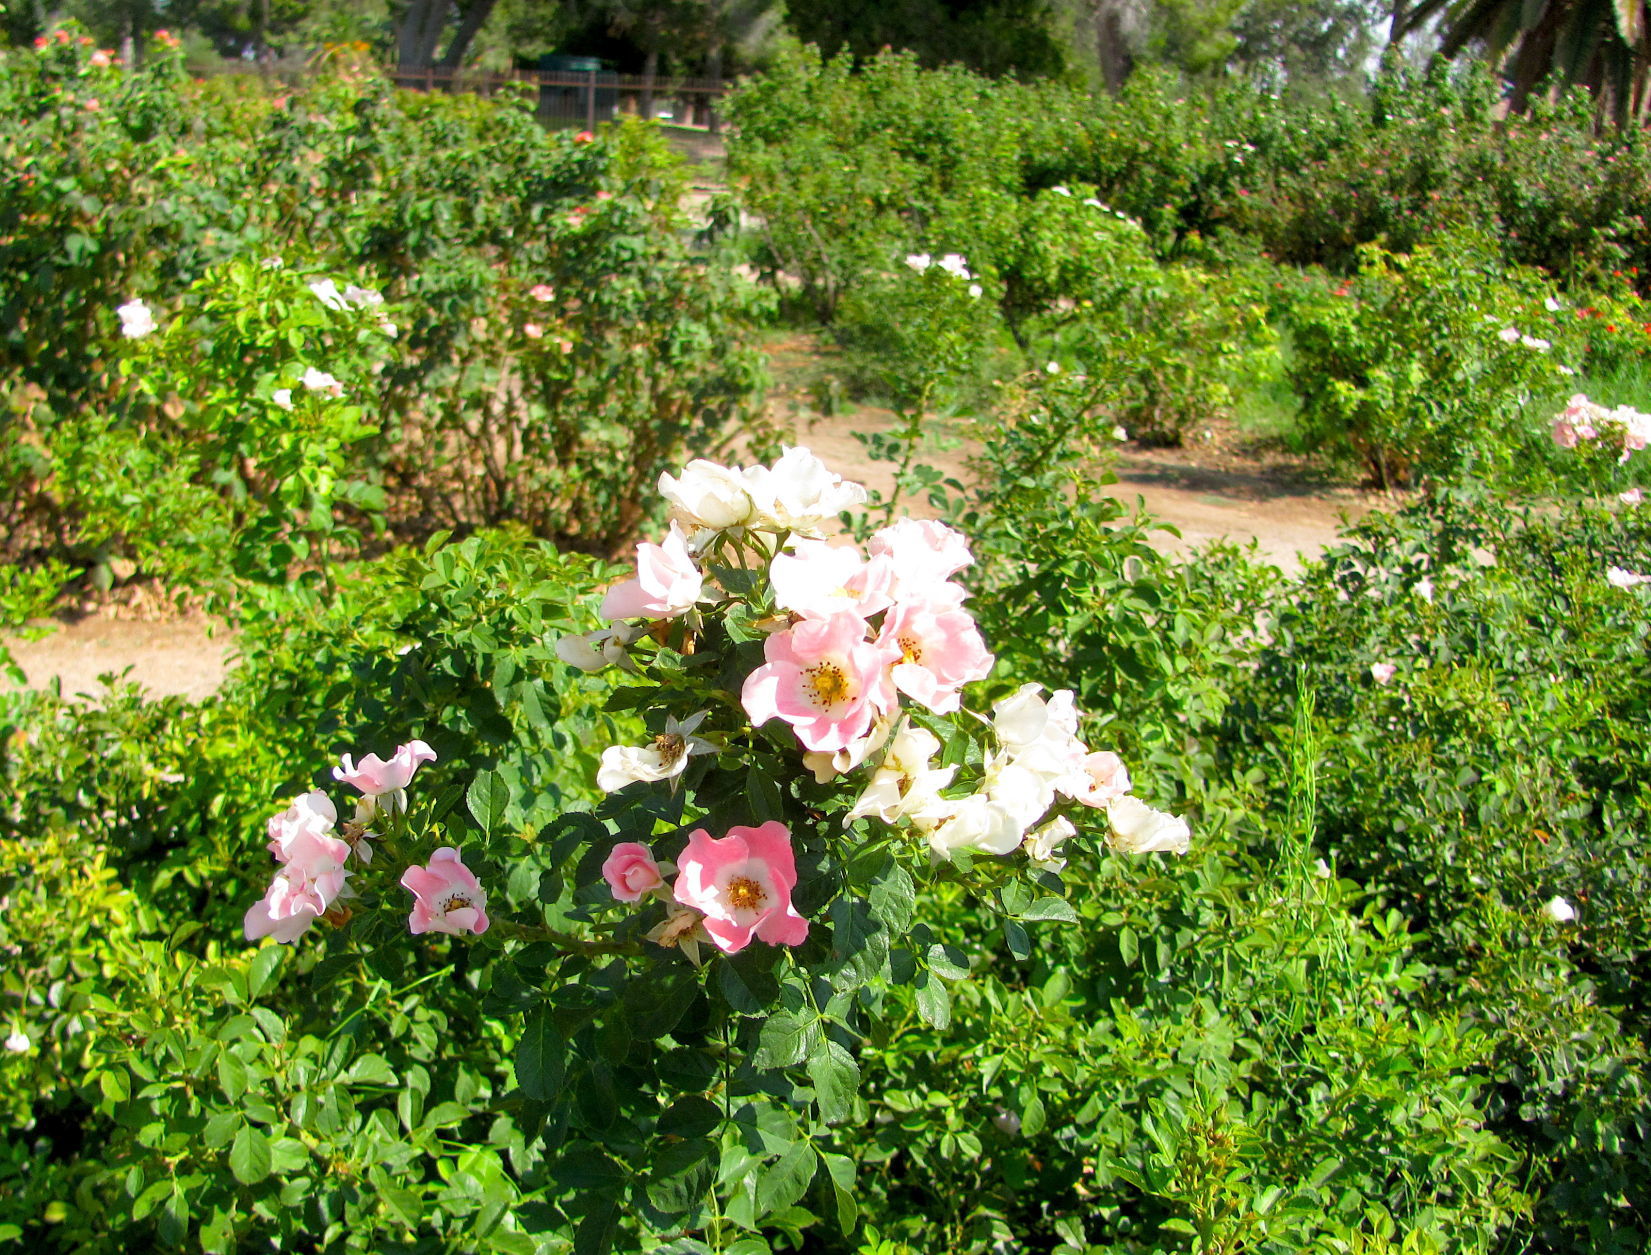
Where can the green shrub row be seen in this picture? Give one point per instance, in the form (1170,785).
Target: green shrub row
(547,339)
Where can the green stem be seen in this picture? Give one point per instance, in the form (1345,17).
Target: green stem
(566,941)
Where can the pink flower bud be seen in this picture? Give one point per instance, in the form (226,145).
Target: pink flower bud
(631,871)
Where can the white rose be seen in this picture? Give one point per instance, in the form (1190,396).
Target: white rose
(976,823)
(799,493)
(135,320)
(1559,910)
(1042,843)
(904,783)
(326,291)
(1138,829)
(708,496)
(665,759)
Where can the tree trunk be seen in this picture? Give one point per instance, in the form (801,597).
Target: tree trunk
(713,71)
(1111,48)
(128,38)
(419,33)
(650,67)
(475,16)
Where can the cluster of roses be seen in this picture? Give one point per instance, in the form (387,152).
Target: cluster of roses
(1583,421)
(849,633)
(311,882)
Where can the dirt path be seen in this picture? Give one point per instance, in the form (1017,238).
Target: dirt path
(1205,499)
(1213,490)
(186,656)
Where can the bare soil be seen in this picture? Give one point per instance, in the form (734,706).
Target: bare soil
(1218,487)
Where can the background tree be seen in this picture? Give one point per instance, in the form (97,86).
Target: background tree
(1603,45)
(997,37)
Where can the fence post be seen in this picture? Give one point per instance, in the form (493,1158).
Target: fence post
(590,103)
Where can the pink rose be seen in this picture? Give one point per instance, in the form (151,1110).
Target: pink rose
(940,652)
(312,876)
(532,330)
(584,137)
(925,554)
(1383,672)
(1108,779)
(825,679)
(742,883)
(667,583)
(542,292)
(447,896)
(376,777)
(631,871)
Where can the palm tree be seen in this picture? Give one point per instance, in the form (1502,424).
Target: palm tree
(1603,45)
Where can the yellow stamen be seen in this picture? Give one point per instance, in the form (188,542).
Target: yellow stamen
(670,747)
(829,683)
(745,894)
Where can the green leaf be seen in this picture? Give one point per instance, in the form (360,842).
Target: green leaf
(692,1116)
(1032,1117)
(540,1063)
(785,1180)
(934,1001)
(681,1174)
(596,1231)
(487,798)
(264,966)
(836,1078)
(370,1069)
(1127,946)
(249,1157)
(220,1129)
(893,900)
(1051,908)
(1020,945)
(840,1168)
(786,1040)
(174,1222)
(115,1084)
(948,962)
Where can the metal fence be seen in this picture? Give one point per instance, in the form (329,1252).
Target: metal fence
(587,96)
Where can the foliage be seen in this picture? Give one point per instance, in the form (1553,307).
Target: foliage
(1424,365)
(1500,766)
(558,341)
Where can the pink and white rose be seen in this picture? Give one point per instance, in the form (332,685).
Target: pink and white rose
(925,555)
(819,579)
(940,651)
(388,779)
(823,678)
(447,897)
(742,884)
(668,582)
